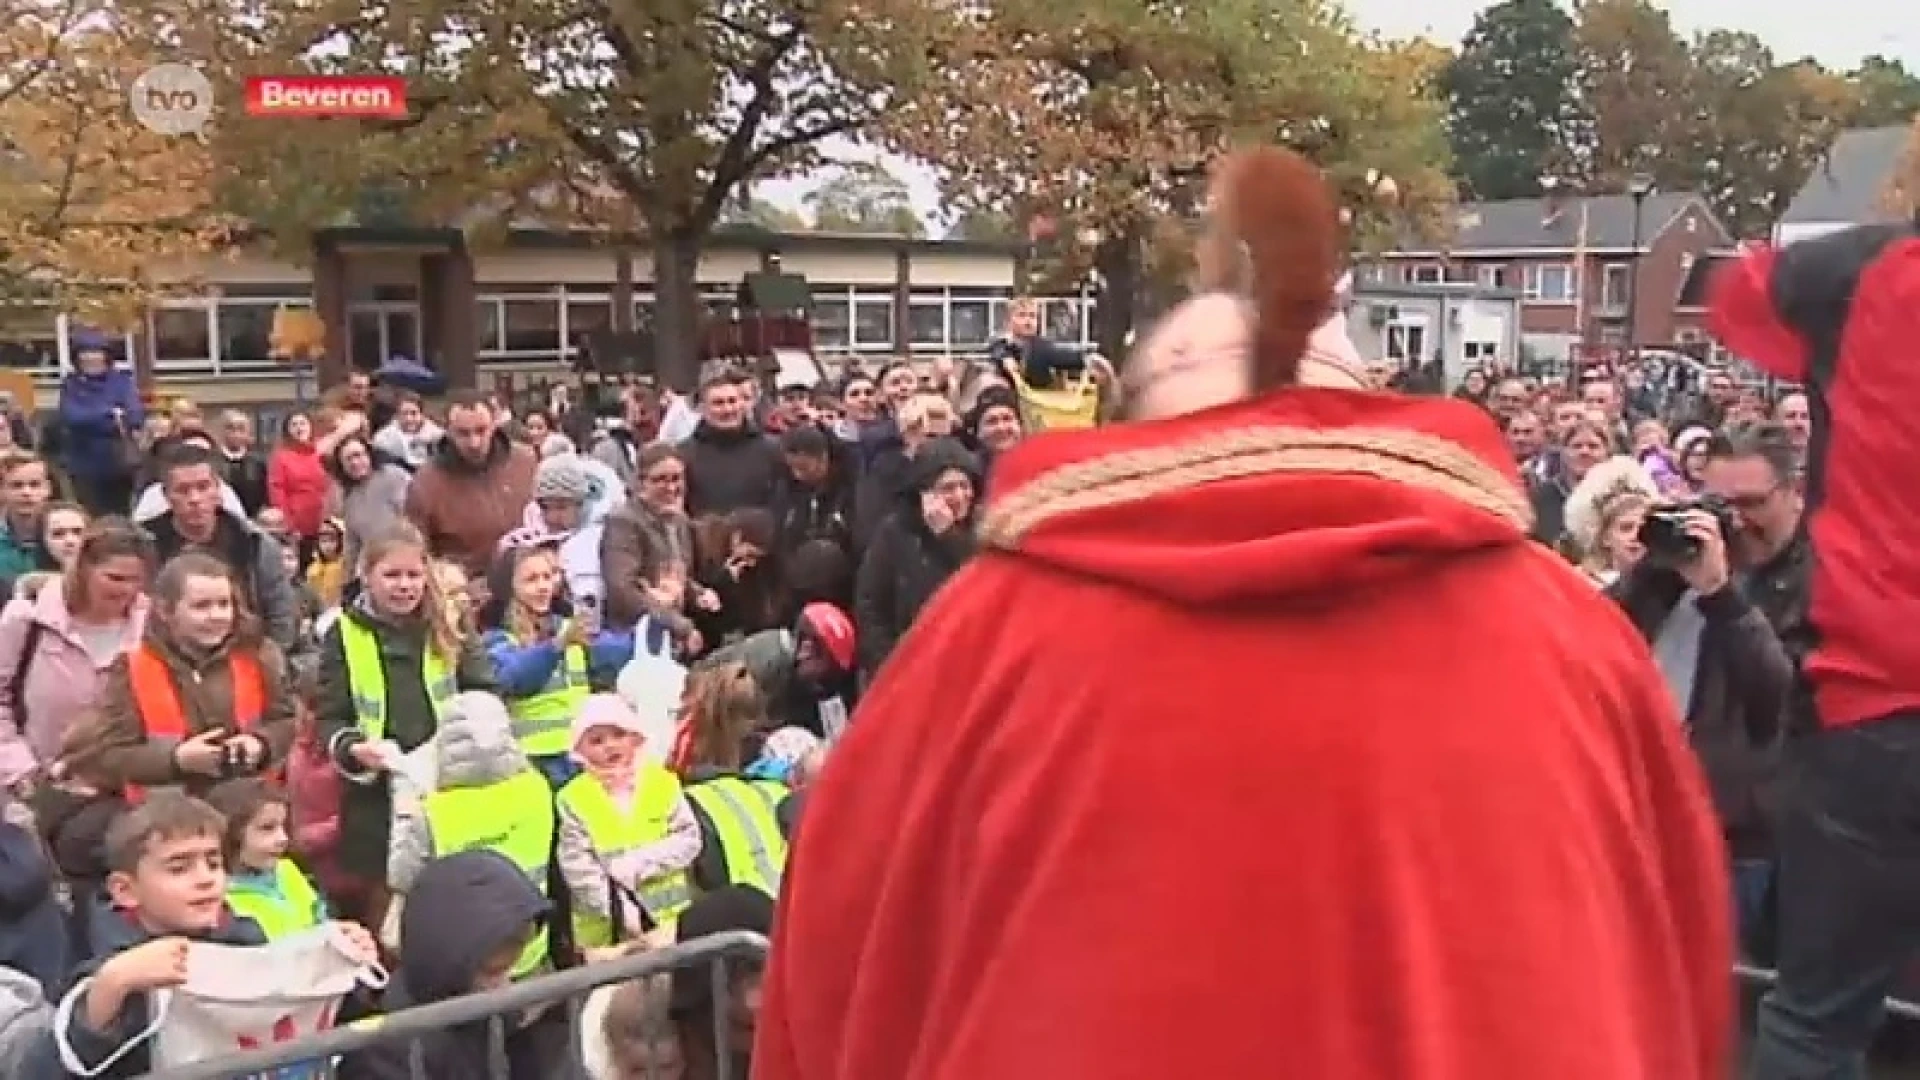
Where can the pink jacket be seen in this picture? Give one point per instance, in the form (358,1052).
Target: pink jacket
(62,682)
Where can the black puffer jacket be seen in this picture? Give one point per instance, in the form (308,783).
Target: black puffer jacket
(729,470)
(907,563)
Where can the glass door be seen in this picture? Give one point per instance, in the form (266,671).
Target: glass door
(378,331)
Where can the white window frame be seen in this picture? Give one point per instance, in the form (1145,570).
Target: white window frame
(1427,274)
(871,296)
(202,365)
(941,303)
(224,365)
(1612,298)
(1492,275)
(1536,292)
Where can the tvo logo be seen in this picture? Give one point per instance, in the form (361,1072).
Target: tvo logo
(172,99)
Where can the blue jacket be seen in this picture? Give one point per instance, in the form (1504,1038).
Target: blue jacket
(523,669)
(114,934)
(91,445)
(33,935)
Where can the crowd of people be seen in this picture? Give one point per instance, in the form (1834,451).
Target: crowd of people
(377,680)
(372,675)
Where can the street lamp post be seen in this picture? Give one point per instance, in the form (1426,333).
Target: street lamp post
(1639,188)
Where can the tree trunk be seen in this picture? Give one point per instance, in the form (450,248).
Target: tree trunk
(677,312)
(1118,261)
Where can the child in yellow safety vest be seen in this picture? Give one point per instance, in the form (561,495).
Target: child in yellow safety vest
(546,659)
(627,833)
(263,883)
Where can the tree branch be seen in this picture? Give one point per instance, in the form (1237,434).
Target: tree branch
(737,158)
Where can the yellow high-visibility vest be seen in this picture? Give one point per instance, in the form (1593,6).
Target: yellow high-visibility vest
(367,679)
(513,817)
(746,822)
(543,722)
(614,833)
(288,907)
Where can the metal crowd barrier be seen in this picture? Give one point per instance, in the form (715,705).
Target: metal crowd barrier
(571,987)
(1759,976)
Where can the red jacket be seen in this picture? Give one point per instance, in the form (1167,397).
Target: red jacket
(297,485)
(1837,314)
(1297,759)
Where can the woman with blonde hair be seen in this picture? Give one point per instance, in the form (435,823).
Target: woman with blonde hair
(390,665)
(1604,513)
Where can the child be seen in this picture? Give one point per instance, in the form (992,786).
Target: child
(547,663)
(484,794)
(263,884)
(456,592)
(469,919)
(327,574)
(627,1031)
(390,665)
(627,833)
(63,529)
(203,699)
(166,887)
(744,813)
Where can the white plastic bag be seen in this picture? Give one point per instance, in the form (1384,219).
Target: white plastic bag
(240,998)
(652,683)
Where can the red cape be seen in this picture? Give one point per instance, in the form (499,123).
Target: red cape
(1259,742)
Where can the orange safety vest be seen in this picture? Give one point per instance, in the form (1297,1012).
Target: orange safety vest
(157,698)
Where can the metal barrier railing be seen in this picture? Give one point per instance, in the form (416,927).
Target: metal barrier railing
(494,1006)
(1767,977)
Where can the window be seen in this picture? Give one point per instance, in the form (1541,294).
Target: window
(873,322)
(530,325)
(31,342)
(1615,282)
(246,332)
(971,323)
(1063,321)
(1475,352)
(1407,342)
(486,326)
(832,325)
(927,323)
(998,323)
(586,316)
(643,313)
(1495,277)
(183,336)
(1426,275)
(1551,283)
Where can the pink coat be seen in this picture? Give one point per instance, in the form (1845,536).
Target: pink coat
(62,682)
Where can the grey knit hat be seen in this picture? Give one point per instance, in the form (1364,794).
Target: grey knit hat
(561,478)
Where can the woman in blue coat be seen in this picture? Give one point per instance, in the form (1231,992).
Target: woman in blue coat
(99,412)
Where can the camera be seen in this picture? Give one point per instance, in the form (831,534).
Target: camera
(1664,532)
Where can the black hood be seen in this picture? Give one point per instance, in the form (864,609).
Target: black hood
(936,457)
(462,909)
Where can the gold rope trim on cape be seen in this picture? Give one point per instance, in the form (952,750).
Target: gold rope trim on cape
(1390,454)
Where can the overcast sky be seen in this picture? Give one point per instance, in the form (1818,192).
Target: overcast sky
(1836,32)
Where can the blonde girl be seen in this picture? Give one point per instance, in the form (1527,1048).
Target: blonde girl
(1604,514)
(389,666)
(547,656)
(723,718)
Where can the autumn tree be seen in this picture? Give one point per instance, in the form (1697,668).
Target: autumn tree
(1108,113)
(1636,79)
(646,119)
(89,198)
(1759,127)
(1888,93)
(1513,99)
(864,197)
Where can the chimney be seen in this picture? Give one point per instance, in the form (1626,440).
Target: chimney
(1556,196)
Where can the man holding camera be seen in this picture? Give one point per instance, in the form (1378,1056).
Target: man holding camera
(1718,648)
